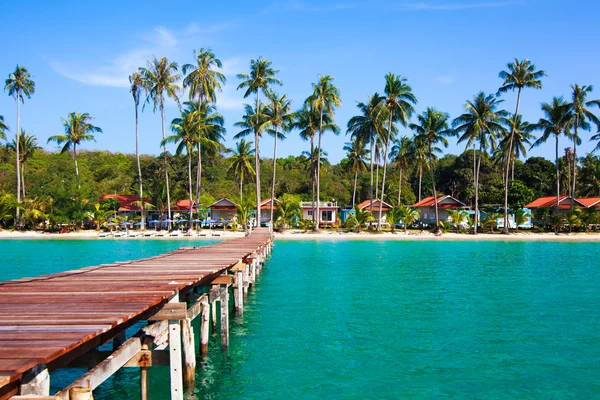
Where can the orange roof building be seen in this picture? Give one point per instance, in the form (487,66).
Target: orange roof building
(564,202)
(376,204)
(443,202)
(125,201)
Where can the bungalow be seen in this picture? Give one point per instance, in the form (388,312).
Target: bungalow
(328,210)
(590,202)
(265,211)
(426,208)
(385,208)
(564,203)
(222,210)
(183,206)
(126,206)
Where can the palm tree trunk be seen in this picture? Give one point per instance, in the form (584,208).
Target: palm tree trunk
(387,142)
(476,216)
(76,168)
(137,157)
(312,176)
(273,182)
(509,152)
(557,178)
(23,178)
(377,177)
(371,184)
(257,163)
(400,188)
(354,191)
(162,111)
(241,190)
(190,187)
(420,178)
(574,162)
(17,162)
(316,228)
(198,177)
(437,218)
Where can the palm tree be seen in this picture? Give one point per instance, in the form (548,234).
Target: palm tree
(279,115)
(458,217)
(481,123)
(522,136)
(356,153)
(583,116)
(185,135)
(521,217)
(419,154)
(325,98)
(3,128)
(399,103)
(19,85)
(402,154)
(203,79)
(369,126)
(432,129)
(359,218)
(240,164)
(27,145)
(557,121)
(407,215)
(308,122)
(519,75)
(7,208)
(78,129)
(137,88)
(161,78)
(260,78)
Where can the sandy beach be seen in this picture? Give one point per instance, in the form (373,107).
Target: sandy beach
(292,234)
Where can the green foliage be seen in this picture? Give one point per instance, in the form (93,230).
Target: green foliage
(521,216)
(288,210)
(457,217)
(519,195)
(359,218)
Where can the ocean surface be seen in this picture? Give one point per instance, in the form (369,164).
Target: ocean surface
(387,320)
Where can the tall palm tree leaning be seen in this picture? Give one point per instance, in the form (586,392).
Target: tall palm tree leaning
(369,126)
(582,116)
(161,78)
(137,88)
(279,115)
(28,145)
(557,120)
(402,154)
(356,153)
(260,78)
(19,85)
(240,164)
(399,103)
(518,76)
(307,121)
(78,129)
(432,129)
(203,82)
(481,123)
(325,98)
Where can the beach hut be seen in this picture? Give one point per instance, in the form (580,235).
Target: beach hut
(223,210)
(183,206)
(426,208)
(265,211)
(328,211)
(564,203)
(385,209)
(590,202)
(126,206)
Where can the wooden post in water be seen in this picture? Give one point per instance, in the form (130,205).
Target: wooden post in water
(204,322)
(80,394)
(146,345)
(189,353)
(238,292)
(36,381)
(175,355)
(224,281)
(213,308)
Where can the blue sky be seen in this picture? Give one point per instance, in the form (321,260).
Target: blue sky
(80,54)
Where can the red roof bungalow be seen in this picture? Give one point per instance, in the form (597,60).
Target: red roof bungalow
(222,209)
(125,201)
(265,210)
(426,208)
(564,202)
(376,203)
(590,201)
(184,205)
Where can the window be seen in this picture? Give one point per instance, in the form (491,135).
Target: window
(310,213)
(326,216)
(424,215)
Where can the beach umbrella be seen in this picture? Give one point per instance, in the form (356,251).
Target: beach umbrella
(196,220)
(154,221)
(111,224)
(138,224)
(126,223)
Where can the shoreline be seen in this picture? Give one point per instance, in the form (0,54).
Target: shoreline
(293,234)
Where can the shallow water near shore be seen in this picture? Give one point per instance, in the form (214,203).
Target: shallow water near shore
(377,319)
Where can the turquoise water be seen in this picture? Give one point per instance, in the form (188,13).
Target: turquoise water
(356,319)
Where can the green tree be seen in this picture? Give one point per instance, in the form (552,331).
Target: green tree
(7,208)
(458,217)
(557,120)
(582,115)
(27,145)
(359,218)
(402,154)
(356,153)
(137,89)
(519,195)
(279,116)
(399,102)
(521,137)
(240,163)
(288,210)
(78,129)
(480,124)
(407,215)
(432,129)
(162,77)
(325,98)
(203,79)
(520,74)
(19,85)
(521,217)
(260,79)
(3,128)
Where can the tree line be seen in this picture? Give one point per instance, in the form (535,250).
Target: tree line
(489,172)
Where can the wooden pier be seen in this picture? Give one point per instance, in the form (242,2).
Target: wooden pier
(59,321)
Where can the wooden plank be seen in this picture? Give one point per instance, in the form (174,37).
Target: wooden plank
(222,280)
(170,312)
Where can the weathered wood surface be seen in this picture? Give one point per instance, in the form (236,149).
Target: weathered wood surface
(47,318)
